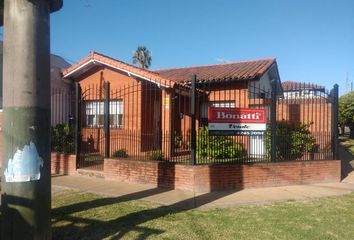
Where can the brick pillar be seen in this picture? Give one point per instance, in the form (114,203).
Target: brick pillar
(166,122)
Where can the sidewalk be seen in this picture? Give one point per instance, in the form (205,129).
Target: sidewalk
(221,199)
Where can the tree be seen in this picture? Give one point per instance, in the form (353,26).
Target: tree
(142,57)
(346,112)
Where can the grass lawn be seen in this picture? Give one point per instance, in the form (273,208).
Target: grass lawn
(78,215)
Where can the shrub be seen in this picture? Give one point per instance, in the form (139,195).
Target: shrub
(178,141)
(93,157)
(155,155)
(217,147)
(120,153)
(62,139)
(292,140)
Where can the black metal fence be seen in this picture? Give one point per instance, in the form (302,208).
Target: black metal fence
(62,120)
(145,121)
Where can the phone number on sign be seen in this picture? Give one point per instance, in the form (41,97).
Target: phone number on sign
(235,133)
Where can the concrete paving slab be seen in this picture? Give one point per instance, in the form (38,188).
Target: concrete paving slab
(188,200)
(170,197)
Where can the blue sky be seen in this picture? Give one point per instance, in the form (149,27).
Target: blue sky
(313,40)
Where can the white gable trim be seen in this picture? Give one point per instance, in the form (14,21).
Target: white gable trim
(78,68)
(94,62)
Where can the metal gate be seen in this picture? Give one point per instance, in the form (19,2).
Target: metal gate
(90,132)
(123,121)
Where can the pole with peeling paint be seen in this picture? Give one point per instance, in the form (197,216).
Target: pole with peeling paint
(25,181)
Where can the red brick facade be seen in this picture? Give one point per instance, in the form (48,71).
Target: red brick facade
(63,164)
(141,102)
(205,178)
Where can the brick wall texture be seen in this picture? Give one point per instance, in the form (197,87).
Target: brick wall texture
(63,164)
(221,177)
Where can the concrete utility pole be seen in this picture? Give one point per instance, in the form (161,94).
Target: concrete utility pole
(25,180)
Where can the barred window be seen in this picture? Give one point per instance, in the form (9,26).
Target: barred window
(94,113)
(116,114)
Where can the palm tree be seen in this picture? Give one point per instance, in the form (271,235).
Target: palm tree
(142,57)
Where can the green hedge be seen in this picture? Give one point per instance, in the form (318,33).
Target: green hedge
(155,155)
(292,140)
(217,147)
(120,153)
(61,139)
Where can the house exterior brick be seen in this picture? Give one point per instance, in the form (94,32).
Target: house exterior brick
(63,164)
(157,107)
(206,178)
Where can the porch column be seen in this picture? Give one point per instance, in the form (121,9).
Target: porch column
(166,123)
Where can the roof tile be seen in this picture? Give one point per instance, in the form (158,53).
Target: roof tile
(245,70)
(293,85)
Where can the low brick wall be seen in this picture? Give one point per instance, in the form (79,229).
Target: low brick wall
(205,178)
(131,170)
(63,164)
(267,175)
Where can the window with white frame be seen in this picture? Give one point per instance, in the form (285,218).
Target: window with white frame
(94,113)
(222,104)
(116,114)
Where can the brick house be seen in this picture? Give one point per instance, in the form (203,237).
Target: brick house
(306,103)
(150,111)
(153,107)
(294,89)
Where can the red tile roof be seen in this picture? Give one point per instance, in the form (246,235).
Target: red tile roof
(97,58)
(245,70)
(293,85)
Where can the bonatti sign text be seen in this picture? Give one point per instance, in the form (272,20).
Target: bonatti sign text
(236,121)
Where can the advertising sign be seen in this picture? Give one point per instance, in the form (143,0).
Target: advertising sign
(236,121)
